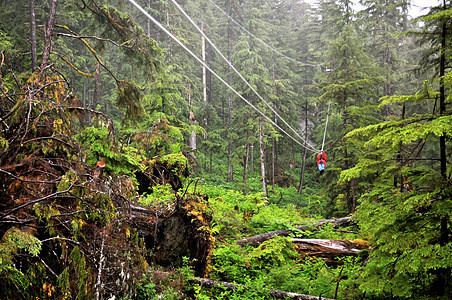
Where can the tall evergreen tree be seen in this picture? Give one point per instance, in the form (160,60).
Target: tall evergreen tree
(409,224)
(350,86)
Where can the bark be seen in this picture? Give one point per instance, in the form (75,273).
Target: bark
(252,158)
(230,149)
(444,279)
(48,35)
(192,140)
(165,232)
(260,238)
(328,250)
(168,26)
(273,293)
(273,160)
(96,89)
(33,36)
(148,24)
(303,165)
(261,148)
(204,78)
(247,154)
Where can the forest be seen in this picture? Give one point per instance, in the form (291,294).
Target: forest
(170,149)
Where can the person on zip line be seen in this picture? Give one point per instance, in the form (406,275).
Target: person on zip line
(321,161)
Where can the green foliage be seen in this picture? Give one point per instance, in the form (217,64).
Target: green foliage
(177,162)
(100,144)
(145,289)
(14,240)
(83,280)
(161,195)
(274,252)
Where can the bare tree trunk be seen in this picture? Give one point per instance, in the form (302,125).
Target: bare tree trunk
(48,36)
(247,154)
(444,273)
(252,158)
(96,88)
(99,271)
(303,164)
(274,159)
(34,57)
(303,168)
(192,141)
(204,77)
(230,149)
(261,148)
(148,25)
(167,26)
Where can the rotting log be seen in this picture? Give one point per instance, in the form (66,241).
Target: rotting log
(273,293)
(256,240)
(329,250)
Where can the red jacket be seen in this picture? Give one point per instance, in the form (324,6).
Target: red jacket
(321,162)
(321,155)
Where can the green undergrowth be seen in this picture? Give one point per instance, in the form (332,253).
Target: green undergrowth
(276,263)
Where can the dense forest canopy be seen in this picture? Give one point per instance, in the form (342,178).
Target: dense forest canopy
(157,149)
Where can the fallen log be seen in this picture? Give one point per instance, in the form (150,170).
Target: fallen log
(329,250)
(273,293)
(256,240)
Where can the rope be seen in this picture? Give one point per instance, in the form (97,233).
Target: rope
(240,75)
(215,74)
(326,125)
(262,42)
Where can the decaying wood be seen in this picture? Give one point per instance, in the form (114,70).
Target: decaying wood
(273,293)
(260,238)
(329,250)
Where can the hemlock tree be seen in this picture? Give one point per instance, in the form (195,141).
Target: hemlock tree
(350,87)
(409,224)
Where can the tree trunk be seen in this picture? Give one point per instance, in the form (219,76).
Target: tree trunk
(96,88)
(48,36)
(329,250)
(303,164)
(34,56)
(260,238)
(230,149)
(204,77)
(444,288)
(261,148)
(148,24)
(247,154)
(167,26)
(252,158)
(192,140)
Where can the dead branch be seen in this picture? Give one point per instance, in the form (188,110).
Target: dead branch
(273,293)
(54,195)
(31,181)
(92,37)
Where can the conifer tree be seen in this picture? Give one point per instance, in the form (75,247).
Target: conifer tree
(350,86)
(409,223)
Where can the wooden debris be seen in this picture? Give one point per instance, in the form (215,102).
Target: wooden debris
(273,293)
(260,238)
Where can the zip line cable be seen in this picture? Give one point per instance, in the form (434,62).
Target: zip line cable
(326,125)
(240,75)
(261,41)
(210,70)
